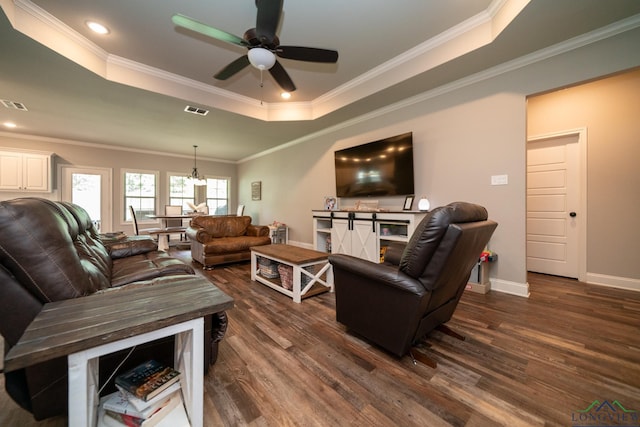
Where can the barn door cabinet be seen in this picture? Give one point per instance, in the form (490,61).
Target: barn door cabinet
(362,234)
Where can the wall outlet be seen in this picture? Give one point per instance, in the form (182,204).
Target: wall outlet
(499,179)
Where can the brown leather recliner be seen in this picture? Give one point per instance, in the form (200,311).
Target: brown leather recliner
(395,306)
(50,251)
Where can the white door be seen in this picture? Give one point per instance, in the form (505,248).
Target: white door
(89,188)
(553,205)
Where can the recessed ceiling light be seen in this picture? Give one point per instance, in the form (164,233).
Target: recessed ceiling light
(10,125)
(97,28)
(285,95)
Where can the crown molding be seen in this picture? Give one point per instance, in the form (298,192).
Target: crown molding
(608,31)
(62,141)
(470,34)
(473,33)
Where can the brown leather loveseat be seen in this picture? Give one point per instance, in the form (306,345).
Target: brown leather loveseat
(50,251)
(223,239)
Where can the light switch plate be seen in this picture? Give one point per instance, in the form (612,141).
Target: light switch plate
(499,179)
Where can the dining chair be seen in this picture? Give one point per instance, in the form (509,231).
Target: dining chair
(177,224)
(136,230)
(240,211)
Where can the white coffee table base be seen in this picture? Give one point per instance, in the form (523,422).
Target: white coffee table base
(281,254)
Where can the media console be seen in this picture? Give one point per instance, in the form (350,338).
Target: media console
(363,234)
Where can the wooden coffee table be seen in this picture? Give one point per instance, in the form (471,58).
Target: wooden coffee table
(297,258)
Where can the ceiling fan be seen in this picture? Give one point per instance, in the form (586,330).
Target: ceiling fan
(262,43)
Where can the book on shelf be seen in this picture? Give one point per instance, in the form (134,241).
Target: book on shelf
(149,421)
(120,403)
(171,414)
(143,405)
(148,379)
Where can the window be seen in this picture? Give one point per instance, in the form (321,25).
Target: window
(140,192)
(218,196)
(181,192)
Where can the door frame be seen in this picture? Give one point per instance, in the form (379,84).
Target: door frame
(581,133)
(106,190)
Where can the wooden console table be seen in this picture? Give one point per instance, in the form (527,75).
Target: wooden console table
(297,258)
(88,327)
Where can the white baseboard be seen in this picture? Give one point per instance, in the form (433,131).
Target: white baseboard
(613,281)
(507,287)
(498,285)
(300,244)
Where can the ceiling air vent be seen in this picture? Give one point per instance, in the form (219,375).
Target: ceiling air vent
(196,110)
(13,105)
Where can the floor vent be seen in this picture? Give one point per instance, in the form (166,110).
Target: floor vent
(13,105)
(196,110)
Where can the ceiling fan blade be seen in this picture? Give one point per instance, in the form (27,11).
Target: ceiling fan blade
(282,77)
(199,27)
(232,68)
(310,54)
(268,17)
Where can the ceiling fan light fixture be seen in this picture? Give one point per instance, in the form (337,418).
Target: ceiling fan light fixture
(285,95)
(261,58)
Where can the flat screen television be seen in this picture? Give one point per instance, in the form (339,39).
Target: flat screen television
(378,168)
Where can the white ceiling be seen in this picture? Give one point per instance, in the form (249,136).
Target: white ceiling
(129,88)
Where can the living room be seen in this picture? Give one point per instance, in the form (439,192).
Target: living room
(464,133)
(495,122)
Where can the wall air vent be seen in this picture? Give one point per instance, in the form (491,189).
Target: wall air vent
(196,110)
(13,105)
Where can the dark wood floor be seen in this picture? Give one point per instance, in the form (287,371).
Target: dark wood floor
(525,362)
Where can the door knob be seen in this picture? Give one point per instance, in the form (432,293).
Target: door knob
(572,214)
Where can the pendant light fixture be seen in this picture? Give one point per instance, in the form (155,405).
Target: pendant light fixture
(195,178)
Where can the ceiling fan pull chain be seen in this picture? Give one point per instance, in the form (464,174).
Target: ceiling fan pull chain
(261,87)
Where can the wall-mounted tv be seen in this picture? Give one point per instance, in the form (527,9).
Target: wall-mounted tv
(379,168)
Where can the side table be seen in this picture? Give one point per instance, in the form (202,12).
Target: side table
(279,234)
(85,328)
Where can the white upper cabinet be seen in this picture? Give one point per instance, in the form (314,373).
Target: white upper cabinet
(25,171)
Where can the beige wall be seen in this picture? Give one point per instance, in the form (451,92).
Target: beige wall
(461,137)
(78,154)
(610,110)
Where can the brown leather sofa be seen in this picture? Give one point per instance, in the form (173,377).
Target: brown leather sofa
(50,251)
(417,289)
(223,239)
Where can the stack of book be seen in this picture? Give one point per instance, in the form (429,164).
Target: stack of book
(148,395)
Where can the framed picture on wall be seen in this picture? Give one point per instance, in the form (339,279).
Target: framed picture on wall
(256,190)
(408,203)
